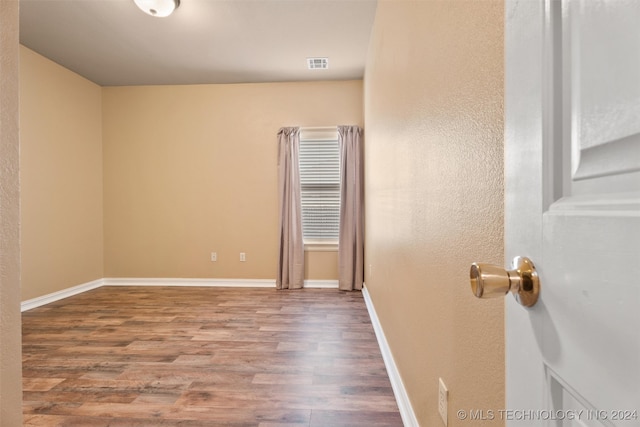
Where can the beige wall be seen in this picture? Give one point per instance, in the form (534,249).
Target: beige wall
(190,170)
(434,196)
(61,177)
(10,359)
(187,170)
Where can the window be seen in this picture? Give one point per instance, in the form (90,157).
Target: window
(320,188)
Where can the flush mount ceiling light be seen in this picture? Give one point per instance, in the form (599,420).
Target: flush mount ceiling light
(158,8)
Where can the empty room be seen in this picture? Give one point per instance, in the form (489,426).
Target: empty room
(312,213)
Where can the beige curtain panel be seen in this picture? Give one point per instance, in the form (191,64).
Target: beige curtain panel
(351,242)
(291,253)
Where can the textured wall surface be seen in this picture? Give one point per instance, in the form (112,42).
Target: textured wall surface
(190,170)
(61,177)
(434,196)
(10,338)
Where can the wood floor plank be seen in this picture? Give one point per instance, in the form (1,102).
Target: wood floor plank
(169,356)
(40,384)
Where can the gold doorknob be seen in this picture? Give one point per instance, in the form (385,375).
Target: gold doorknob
(490,281)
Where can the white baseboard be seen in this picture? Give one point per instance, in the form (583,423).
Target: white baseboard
(402,398)
(321,284)
(231,283)
(56,296)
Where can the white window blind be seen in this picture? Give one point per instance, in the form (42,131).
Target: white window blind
(320,189)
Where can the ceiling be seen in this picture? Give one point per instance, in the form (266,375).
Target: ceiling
(113,43)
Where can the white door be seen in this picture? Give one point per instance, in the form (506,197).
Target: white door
(572,102)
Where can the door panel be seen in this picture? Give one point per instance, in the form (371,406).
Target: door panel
(565,401)
(602,86)
(591,327)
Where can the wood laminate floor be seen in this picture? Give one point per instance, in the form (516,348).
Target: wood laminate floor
(176,356)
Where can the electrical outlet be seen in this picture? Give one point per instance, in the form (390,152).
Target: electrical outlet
(443,395)
(214,256)
(243,256)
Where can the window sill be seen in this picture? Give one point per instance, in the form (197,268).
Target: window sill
(321,247)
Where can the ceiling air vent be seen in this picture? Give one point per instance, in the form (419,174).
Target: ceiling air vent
(318,63)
